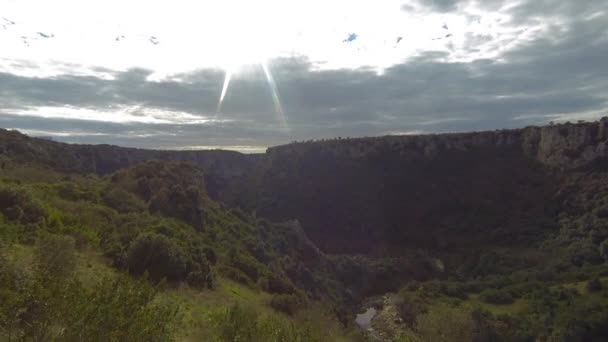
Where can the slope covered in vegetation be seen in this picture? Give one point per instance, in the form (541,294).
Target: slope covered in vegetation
(483,236)
(89,258)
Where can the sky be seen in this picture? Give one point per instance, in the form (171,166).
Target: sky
(245,75)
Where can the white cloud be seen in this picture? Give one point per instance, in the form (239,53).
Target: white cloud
(428,65)
(118,34)
(118,114)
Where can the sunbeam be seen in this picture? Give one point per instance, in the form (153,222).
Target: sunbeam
(227,78)
(275,97)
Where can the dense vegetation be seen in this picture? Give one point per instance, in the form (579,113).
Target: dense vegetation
(451,238)
(89,258)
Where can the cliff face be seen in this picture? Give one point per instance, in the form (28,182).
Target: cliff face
(379,195)
(434,191)
(567,146)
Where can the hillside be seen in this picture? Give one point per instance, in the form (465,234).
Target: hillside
(493,228)
(443,185)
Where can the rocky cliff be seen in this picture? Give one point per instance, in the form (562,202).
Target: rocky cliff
(377,195)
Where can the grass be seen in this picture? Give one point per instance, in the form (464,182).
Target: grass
(581,286)
(514,308)
(197,306)
(92,267)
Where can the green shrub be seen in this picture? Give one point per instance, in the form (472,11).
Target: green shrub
(17,204)
(594,285)
(495,296)
(236,275)
(201,276)
(238,323)
(286,303)
(409,307)
(454,290)
(602,212)
(120,310)
(245,262)
(584,252)
(51,305)
(279,284)
(11,286)
(122,201)
(72,192)
(604,250)
(157,255)
(210,255)
(185,205)
(56,255)
(444,323)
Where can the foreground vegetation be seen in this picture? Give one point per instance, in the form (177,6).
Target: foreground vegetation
(146,255)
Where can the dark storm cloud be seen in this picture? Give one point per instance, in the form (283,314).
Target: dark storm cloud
(562,72)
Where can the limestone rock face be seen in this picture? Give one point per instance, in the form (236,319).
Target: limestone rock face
(567,146)
(366,195)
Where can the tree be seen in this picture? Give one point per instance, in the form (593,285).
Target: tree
(158,255)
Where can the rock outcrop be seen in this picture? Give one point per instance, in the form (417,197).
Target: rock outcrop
(373,195)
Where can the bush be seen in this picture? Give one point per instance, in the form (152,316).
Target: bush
(210,255)
(71,192)
(286,303)
(604,250)
(157,255)
(409,306)
(185,205)
(602,212)
(236,275)
(56,255)
(17,204)
(594,285)
(201,276)
(454,290)
(246,263)
(582,252)
(238,323)
(122,201)
(119,310)
(445,323)
(495,296)
(51,305)
(279,284)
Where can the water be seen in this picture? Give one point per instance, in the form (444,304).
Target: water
(364,320)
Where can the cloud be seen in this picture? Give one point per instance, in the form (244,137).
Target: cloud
(441,5)
(560,73)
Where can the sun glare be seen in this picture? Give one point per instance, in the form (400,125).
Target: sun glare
(249,38)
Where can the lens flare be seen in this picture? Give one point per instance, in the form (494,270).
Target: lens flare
(274,92)
(275,97)
(227,79)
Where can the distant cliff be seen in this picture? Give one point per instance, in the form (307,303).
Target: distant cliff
(564,146)
(377,195)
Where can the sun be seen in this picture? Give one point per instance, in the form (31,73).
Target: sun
(253,45)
